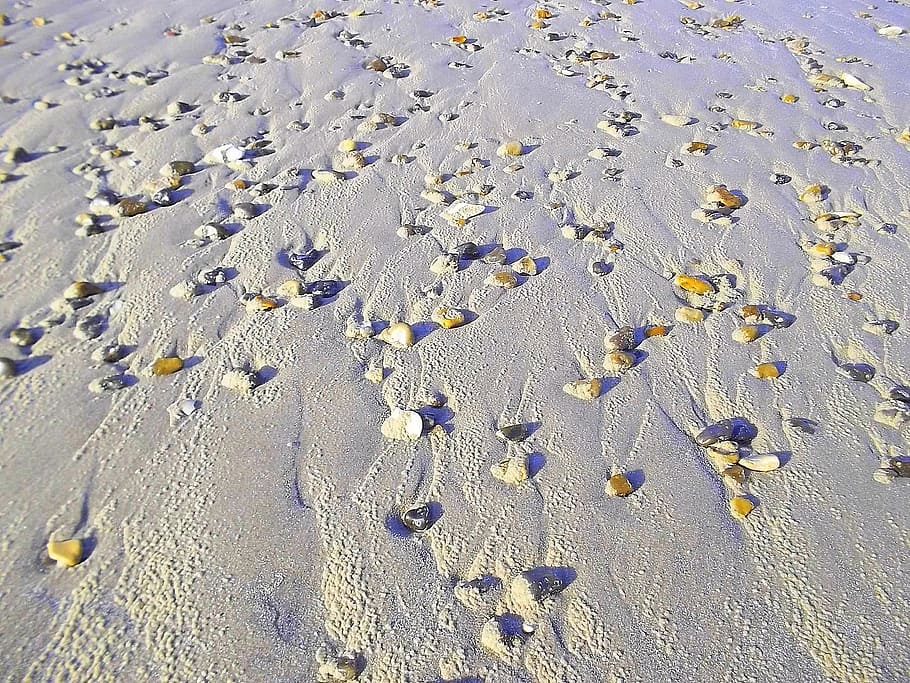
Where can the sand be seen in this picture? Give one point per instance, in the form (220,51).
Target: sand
(248,530)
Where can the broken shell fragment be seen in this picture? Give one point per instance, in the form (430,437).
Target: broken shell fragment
(65,553)
(447,317)
(503,279)
(512,470)
(402,425)
(585,389)
(399,335)
(740,507)
(240,380)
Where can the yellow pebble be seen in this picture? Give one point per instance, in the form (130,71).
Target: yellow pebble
(347,145)
(789,99)
(619,485)
(167,366)
(743,124)
(695,285)
(741,506)
(65,553)
(447,317)
(766,371)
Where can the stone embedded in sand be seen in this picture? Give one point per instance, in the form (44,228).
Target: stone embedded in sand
(740,506)
(127,208)
(22,336)
(736,430)
(178,168)
(417,517)
(445,264)
(623,339)
(290,288)
(167,366)
(503,279)
(512,148)
(514,433)
(677,120)
(618,362)
(496,640)
(619,485)
(240,380)
(244,211)
(65,553)
(690,315)
(7,368)
(743,124)
(447,317)
(81,289)
(185,290)
(525,266)
(766,371)
(858,372)
(399,334)
(852,81)
(695,148)
(376,64)
(89,327)
(353,161)
(260,303)
(512,470)
(585,389)
(812,193)
(734,473)
(325,176)
(656,331)
(402,425)
(721,195)
(789,99)
(694,285)
(760,462)
(747,333)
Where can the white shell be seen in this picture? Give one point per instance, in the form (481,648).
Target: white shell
(677,120)
(760,462)
(402,425)
(225,154)
(511,471)
(891,31)
(185,290)
(324,176)
(852,81)
(463,211)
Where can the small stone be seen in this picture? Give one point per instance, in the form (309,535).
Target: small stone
(689,315)
(720,195)
(512,148)
(447,317)
(618,362)
(694,285)
(901,465)
(858,372)
(178,168)
(525,266)
(111,353)
(502,279)
(735,473)
(65,553)
(763,462)
(337,669)
(290,288)
(745,334)
(167,366)
(619,485)
(899,393)
(417,517)
(347,145)
(7,368)
(324,176)
(812,193)
(16,155)
(623,339)
(514,433)
(22,336)
(512,470)
(240,380)
(127,208)
(399,335)
(585,389)
(259,304)
(106,384)
(81,289)
(766,371)
(677,120)
(740,506)
(789,99)
(496,256)
(402,425)
(245,211)
(445,264)
(89,327)
(185,290)
(884,475)
(737,430)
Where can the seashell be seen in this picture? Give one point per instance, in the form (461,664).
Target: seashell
(81,289)
(259,303)
(899,393)
(891,31)
(789,99)
(895,414)
(760,462)
(736,430)
(244,211)
(695,148)
(619,485)
(109,383)
(514,433)
(402,425)
(502,278)
(290,288)
(339,668)
(448,317)
(353,161)
(812,193)
(512,148)
(740,507)
(766,371)
(347,145)
(677,120)
(463,211)
(225,154)
(355,328)
(240,380)
(65,553)
(512,471)
(417,517)
(166,366)
(399,335)
(90,327)
(111,353)
(623,339)
(7,368)
(858,372)
(496,255)
(22,336)
(525,266)
(694,285)
(690,315)
(178,168)
(747,333)
(467,251)
(324,176)
(185,290)
(445,264)
(619,361)
(743,124)
(852,81)
(585,389)
(723,196)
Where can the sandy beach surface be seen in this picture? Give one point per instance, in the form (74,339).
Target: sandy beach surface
(451,341)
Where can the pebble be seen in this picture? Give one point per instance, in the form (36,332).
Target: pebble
(677,120)
(326,176)
(623,339)
(240,380)
(402,425)
(689,315)
(447,318)
(745,334)
(166,366)
(337,669)
(812,193)
(740,507)
(7,368)
(399,335)
(109,383)
(737,430)
(502,279)
(65,553)
(899,393)
(185,290)
(858,372)
(81,289)
(514,432)
(585,389)
(177,168)
(694,285)
(244,211)
(765,462)
(618,362)
(512,148)
(417,517)
(445,264)
(22,336)
(735,473)
(766,371)
(619,485)
(512,470)
(537,584)
(496,256)
(89,327)
(525,266)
